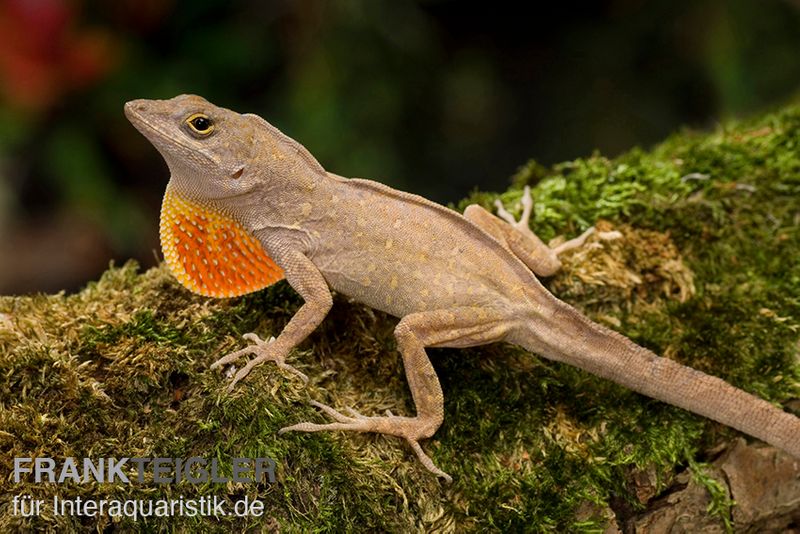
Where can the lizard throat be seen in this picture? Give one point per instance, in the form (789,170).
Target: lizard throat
(210,253)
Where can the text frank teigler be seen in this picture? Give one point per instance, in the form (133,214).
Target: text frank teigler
(145,471)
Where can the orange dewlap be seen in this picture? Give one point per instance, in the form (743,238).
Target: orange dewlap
(210,253)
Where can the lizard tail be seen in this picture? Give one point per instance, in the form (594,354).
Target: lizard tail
(568,336)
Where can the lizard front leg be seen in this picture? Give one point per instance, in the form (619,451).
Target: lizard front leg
(518,237)
(459,327)
(306,279)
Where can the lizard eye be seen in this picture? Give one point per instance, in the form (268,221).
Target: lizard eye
(200,124)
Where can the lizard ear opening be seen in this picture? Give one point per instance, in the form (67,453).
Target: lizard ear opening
(238,174)
(210,253)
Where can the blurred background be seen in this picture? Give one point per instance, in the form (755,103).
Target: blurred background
(437,97)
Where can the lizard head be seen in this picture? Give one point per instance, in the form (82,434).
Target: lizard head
(211,153)
(208,148)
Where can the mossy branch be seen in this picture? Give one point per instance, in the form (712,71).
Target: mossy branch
(706,273)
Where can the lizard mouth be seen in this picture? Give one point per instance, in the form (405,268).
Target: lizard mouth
(137,112)
(133,107)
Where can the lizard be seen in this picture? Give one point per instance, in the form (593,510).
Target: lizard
(247,206)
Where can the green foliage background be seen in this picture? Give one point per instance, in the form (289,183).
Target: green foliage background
(436,97)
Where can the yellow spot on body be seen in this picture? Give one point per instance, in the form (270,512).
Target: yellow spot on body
(305,209)
(393,281)
(366,281)
(389,244)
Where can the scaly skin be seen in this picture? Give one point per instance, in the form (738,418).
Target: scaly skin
(247,206)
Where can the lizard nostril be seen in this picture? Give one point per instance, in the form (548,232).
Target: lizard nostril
(136,106)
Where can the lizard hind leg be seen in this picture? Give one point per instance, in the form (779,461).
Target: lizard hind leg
(518,237)
(459,327)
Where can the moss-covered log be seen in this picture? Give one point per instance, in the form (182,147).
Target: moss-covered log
(706,272)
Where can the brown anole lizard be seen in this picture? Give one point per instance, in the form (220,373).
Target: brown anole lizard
(247,206)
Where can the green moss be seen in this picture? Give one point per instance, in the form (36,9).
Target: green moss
(721,502)
(121,368)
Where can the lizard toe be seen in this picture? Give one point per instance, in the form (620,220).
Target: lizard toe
(523,223)
(264,351)
(412,429)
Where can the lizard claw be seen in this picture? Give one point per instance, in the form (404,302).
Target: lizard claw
(412,429)
(264,351)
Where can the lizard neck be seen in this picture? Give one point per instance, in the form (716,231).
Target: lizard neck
(286,202)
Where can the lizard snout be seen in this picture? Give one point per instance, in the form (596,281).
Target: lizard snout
(135,108)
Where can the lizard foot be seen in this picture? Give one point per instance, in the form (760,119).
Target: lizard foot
(264,351)
(412,429)
(523,224)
